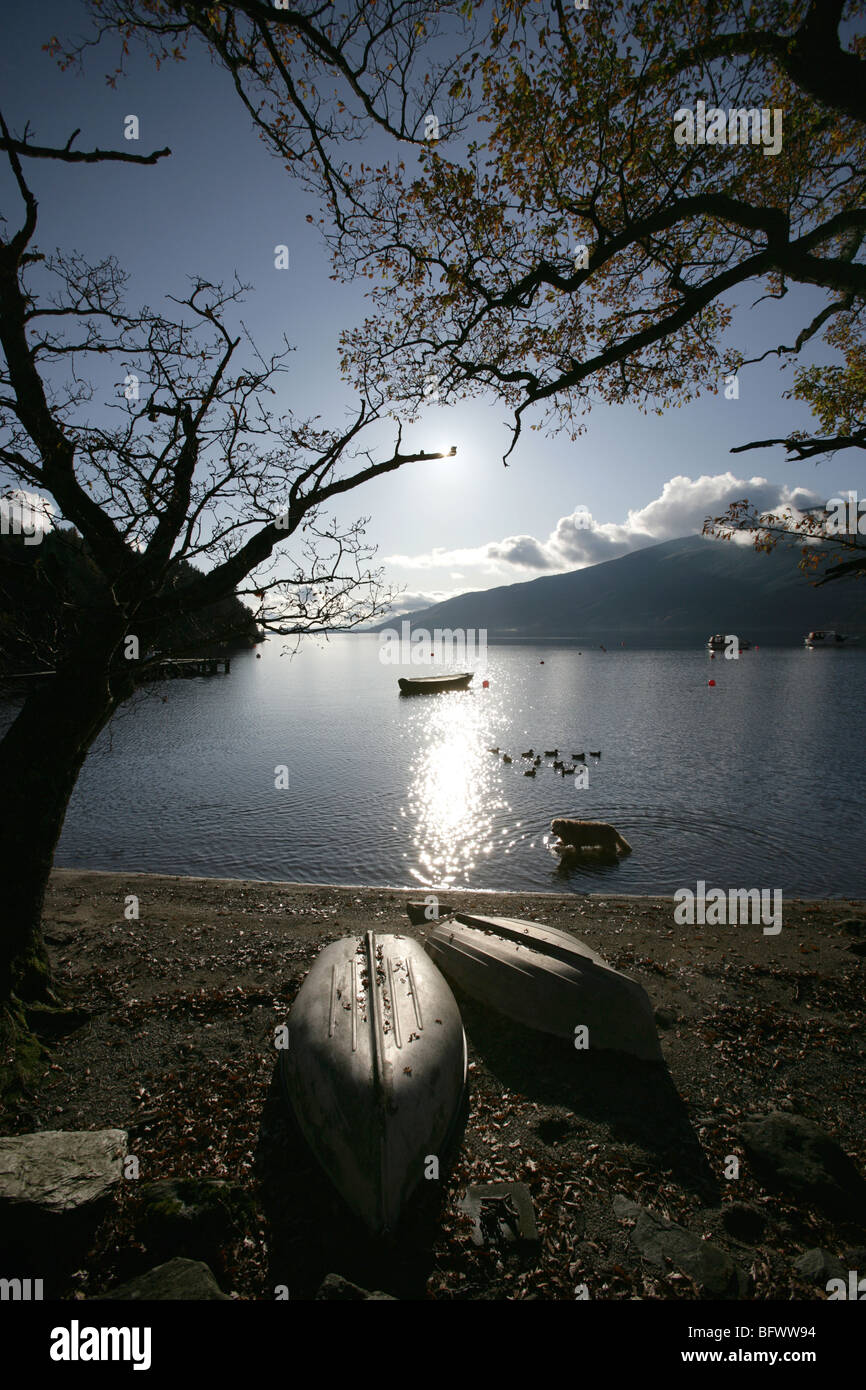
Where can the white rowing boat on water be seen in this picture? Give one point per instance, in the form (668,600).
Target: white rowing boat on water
(375,1069)
(434,685)
(545,979)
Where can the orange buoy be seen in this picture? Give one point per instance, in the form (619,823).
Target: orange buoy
(485,685)
(711,682)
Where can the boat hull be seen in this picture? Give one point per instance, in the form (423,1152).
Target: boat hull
(545,979)
(375,1072)
(434,685)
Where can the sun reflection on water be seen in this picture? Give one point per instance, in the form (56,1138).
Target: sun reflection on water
(454,793)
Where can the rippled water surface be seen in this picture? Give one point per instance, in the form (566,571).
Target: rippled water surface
(757,782)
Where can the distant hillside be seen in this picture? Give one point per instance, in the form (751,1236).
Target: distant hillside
(673,594)
(49,591)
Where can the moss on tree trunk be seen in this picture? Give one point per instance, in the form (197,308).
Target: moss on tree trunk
(22,1056)
(41,757)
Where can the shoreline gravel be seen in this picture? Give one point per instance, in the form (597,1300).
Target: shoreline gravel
(178,1050)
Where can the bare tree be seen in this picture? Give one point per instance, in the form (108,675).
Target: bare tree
(316,78)
(153,435)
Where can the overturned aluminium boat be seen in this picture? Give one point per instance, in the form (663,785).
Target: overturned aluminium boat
(545,979)
(375,1069)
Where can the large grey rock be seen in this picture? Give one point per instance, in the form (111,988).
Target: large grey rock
(664,1245)
(55,1186)
(795,1156)
(176,1279)
(334,1286)
(819,1267)
(58,1171)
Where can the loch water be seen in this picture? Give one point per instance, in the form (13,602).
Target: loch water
(758,781)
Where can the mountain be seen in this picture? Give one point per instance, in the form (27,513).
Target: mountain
(668,595)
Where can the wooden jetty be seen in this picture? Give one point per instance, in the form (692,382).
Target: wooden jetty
(184,668)
(173,668)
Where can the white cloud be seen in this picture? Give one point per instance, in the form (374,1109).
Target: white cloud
(579,540)
(411,601)
(523,551)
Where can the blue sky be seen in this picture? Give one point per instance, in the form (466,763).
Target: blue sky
(221,203)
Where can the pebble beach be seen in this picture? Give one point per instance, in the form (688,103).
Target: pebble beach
(179,1004)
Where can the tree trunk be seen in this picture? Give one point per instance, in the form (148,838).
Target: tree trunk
(40,759)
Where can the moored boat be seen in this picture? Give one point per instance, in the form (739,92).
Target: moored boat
(719,641)
(824,638)
(375,1069)
(545,979)
(432,685)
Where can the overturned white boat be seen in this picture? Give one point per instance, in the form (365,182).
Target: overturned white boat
(375,1069)
(545,979)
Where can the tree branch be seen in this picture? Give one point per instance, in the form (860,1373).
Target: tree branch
(68,156)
